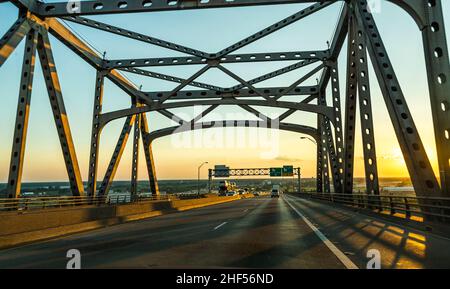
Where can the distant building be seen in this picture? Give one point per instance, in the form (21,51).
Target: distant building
(397,190)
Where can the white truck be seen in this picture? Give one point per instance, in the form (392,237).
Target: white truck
(275,191)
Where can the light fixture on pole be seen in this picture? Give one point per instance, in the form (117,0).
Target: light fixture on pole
(198,177)
(310,139)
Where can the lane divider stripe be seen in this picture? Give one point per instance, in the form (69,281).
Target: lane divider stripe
(220,225)
(338,253)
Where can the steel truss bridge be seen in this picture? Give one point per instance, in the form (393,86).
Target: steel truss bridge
(335,130)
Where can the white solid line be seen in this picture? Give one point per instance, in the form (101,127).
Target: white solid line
(338,253)
(220,225)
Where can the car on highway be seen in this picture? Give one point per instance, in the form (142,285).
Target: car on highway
(231,193)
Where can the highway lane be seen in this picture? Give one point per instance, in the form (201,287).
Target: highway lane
(250,233)
(355,234)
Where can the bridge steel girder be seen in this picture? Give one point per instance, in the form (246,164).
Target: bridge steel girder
(438,72)
(350,107)
(95,133)
(414,8)
(135,35)
(232,58)
(365,111)
(59,112)
(416,159)
(135,157)
(171,78)
(149,158)
(22,115)
(231,123)
(328,143)
(13,37)
(338,134)
(117,155)
(326,111)
(227,93)
(319,158)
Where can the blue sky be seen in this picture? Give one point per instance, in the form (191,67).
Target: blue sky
(209,30)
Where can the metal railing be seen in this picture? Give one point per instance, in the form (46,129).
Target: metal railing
(407,207)
(33,203)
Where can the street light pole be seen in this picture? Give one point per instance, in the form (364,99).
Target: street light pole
(198,178)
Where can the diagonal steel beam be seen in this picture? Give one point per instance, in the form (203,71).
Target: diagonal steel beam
(204,113)
(365,111)
(135,35)
(13,37)
(243,82)
(298,82)
(416,159)
(171,116)
(23,112)
(291,110)
(184,83)
(276,73)
(59,113)
(274,27)
(170,78)
(117,155)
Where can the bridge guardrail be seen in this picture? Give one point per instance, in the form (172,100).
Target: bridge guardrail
(32,203)
(412,208)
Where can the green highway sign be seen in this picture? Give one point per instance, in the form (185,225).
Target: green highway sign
(288,171)
(276,172)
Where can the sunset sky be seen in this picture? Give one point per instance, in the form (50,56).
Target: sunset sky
(209,30)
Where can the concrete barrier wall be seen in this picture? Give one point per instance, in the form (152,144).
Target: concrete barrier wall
(29,226)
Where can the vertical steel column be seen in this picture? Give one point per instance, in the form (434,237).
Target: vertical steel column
(59,112)
(328,142)
(299,177)
(154,188)
(438,72)
(325,162)
(23,112)
(117,155)
(135,164)
(416,159)
(95,133)
(319,162)
(366,116)
(350,106)
(336,95)
(13,37)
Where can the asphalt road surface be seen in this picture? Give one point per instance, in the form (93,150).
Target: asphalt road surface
(288,232)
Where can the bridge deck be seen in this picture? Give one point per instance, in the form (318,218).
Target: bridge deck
(251,233)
